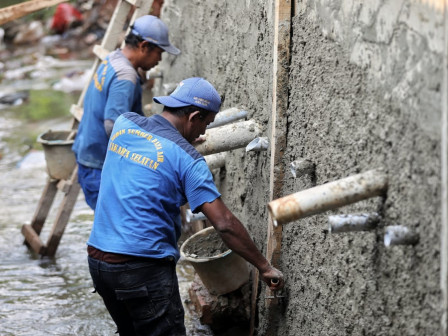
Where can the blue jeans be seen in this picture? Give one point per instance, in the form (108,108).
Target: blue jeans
(89,179)
(141,296)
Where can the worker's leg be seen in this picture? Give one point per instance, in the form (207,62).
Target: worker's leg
(89,179)
(149,292)
(116,308)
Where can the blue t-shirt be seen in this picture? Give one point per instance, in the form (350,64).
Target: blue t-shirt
(149,172)
(114,90)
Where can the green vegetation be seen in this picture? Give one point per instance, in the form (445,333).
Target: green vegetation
(46,104)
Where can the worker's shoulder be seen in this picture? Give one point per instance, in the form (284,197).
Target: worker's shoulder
(122,67)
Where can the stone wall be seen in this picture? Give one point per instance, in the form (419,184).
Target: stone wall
(364,92)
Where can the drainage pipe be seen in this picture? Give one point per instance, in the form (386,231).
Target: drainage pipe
(328,196)
(258,145)
(217,160)
(301,167)
(399,235)
(353,223)
(228,116)
(228,137)
(155,72)
(192,217)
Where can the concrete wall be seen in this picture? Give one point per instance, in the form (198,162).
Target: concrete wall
(364,92)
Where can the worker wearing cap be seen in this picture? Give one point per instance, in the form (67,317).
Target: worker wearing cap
(151,169)
(115,89)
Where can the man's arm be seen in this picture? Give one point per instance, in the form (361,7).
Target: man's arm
(108,126)
(236,237)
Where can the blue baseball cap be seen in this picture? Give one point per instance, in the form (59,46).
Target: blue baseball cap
(152,29)
(193,91)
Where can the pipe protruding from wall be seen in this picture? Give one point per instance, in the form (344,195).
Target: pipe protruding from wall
(168,88)
(258,145)
(353,222)
(228,137)
(328,196)
(155,72)
(302,167)
(228,116)
(399,235)
(192,217)
(217,160)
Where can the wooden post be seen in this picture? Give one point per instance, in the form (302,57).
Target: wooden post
(280,95)
(444,205)
(63,216)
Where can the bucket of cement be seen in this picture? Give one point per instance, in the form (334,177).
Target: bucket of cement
(221,270)
(58,153)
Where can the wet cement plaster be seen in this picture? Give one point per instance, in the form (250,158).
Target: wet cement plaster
(364,93)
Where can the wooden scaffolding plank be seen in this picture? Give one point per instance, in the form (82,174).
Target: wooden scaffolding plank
(44,206)
(280,94)
(32,239)
(14,12)
(65,209)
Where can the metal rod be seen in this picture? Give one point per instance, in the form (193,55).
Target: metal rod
(192,217)
(302,167)
(228,137)
(399,235)
(228,116)
(328,196)
(258,145)
(217,160)
(352,222)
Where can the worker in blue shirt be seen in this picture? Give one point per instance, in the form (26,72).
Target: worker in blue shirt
(151,169)
(115,89)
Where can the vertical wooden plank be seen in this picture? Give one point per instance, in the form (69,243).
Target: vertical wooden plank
(44,205)
(63,216)
(280,94)
(444,205)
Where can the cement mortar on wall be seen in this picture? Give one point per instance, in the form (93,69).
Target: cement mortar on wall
(364,93)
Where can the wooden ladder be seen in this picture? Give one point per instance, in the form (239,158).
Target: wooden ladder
(70,187)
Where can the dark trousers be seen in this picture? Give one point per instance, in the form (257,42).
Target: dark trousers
(141,296)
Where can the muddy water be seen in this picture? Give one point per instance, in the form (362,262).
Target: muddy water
(48,296)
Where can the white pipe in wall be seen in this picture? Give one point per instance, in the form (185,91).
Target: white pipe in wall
(399,235)
(217,160)
(352,222)
(192,217)
(301,167)
(228,116)
(228,137)
(328,196)
(258,145)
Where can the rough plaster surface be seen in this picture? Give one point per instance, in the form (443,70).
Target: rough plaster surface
(364,92)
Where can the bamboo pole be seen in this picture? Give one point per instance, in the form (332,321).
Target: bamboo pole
(14,12)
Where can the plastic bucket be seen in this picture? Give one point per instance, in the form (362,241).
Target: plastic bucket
(58,153)
(221,273)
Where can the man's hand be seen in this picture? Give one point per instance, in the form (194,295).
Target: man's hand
(273,278)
